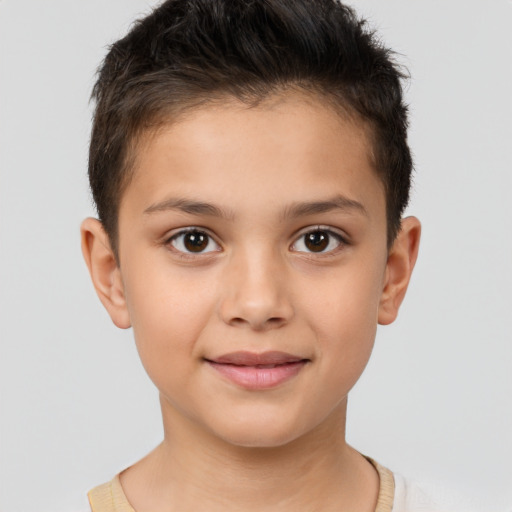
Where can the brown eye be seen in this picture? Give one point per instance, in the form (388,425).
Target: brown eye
(318,241)
(194,241)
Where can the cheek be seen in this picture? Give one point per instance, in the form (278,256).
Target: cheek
(347,299)
(343,314)
(168,311)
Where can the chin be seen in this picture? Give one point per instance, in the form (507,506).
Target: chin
(259,434)
(257,441)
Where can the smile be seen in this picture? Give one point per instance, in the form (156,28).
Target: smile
(258,371)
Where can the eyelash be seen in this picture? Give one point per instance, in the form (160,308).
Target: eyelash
(341,241)
(191,254)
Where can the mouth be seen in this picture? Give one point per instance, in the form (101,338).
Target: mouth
(258,371)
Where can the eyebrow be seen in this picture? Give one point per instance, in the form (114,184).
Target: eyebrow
(339,202)
(189,206)
(299,209)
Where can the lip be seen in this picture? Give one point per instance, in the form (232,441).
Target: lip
(255,371)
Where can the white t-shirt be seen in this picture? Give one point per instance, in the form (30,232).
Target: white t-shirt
(416,496)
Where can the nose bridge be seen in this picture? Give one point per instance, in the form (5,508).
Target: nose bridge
(256,292)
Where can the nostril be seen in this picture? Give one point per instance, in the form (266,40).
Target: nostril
(238,321)
(252,307)
(276,321)
(270,323)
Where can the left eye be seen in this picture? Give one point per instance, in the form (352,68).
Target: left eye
(318,241)
(193,241)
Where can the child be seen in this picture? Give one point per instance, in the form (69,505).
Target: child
(250,168)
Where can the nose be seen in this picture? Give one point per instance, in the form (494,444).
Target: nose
(255,293)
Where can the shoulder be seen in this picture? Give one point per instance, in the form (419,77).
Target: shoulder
(109,497)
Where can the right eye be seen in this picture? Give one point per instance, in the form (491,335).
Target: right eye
(193,241)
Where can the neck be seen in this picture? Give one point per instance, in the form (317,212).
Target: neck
(195,470)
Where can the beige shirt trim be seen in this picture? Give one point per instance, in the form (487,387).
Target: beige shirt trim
(110,497)
(386,495)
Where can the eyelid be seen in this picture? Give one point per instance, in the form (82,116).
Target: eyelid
(190,229)
(339,235)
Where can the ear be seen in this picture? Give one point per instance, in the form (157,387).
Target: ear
(104,271)
(401,259)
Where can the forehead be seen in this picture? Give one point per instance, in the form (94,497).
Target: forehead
(289,146)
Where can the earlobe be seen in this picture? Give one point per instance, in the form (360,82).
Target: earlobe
(104,271)
(400,264)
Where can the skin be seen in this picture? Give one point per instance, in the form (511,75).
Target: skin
(257,286)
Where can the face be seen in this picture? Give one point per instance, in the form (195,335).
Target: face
(253,261)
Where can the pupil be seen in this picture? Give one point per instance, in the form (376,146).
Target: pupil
(196,241)
(317,241)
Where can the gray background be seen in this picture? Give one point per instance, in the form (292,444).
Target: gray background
(435,401)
